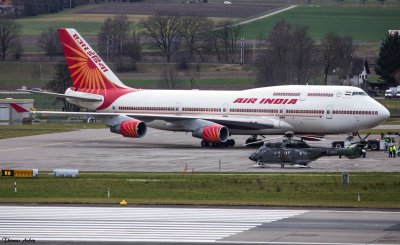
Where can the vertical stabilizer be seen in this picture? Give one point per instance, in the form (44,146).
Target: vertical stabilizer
(89,72)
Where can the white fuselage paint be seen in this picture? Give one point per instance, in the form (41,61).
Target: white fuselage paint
(299,108)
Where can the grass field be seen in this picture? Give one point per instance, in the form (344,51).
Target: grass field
(363,24)
(377,190)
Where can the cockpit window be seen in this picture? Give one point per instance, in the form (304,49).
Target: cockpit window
(359,93)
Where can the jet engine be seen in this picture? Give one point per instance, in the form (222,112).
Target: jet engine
(214,133)
(131,128)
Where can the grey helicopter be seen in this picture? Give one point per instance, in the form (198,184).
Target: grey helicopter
(297,152)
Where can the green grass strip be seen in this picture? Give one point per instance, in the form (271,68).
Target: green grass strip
(376,190)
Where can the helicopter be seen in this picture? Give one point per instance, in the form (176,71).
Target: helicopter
(297,152)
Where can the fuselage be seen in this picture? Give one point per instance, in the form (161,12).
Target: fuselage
(299,108)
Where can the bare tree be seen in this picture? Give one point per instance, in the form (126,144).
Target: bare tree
(329,53)
(61,81)
(279,41)
(345,56)
(214,41)
(9,34)
(266,69)
(133,48)
(164,30)
(193,32)
(302,53)
(112,36)
(49,42)
(337,52)
(170,79)
(228,34)
(290,55)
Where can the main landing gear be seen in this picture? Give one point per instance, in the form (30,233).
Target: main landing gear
(252,139)
(228,143)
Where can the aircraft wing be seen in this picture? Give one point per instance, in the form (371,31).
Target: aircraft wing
(83,97)
(230,122)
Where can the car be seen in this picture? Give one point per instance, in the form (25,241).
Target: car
(227,2)
(389,95)
(397,95)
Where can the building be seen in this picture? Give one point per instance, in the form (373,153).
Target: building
(15,110)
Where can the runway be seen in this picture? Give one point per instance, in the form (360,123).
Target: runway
(158,151)
(58,224)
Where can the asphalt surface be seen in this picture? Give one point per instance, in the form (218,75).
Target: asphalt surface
(191,225)
(159,151)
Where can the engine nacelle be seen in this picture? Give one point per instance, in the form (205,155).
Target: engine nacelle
(131,128)
(212,133)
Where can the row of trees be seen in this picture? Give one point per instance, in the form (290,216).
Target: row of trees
(188,38)
(292,55)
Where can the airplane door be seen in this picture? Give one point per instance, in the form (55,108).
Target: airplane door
(225,110)
(178,109)
(329,112)
(303,96)
(282,111)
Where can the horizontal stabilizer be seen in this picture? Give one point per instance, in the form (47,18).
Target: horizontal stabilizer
(83,97)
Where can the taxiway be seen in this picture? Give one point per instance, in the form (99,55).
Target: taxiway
(158,151)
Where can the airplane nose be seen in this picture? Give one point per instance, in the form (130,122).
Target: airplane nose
(383,113)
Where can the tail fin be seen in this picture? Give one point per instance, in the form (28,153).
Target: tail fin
(18,108)
(88,71)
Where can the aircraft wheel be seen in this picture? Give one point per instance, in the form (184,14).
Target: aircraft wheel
(374,146)
(231,142)
(204,143)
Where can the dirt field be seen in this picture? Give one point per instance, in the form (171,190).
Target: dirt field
(208,10)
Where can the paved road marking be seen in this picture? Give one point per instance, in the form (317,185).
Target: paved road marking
(132,224)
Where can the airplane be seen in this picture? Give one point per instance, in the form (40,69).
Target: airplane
(298,152)
(213,116)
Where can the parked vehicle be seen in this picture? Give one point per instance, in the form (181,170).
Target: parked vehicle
(392,92)
(373,144)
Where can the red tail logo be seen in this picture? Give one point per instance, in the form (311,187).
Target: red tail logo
(88,71)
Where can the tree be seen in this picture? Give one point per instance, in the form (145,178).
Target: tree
(165,30)
(9,36)
(61,81)
(329,54)
(50,42)
(388,61)
(289,56)
(113,35)
(267,73)
(337,52)
(170,79)
(193,30)
(133,48)
(279,41)
(223,38)
(302,52)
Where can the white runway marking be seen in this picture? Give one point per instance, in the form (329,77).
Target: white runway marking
(125,224)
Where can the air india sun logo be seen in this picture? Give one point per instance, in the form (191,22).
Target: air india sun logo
(84,71)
